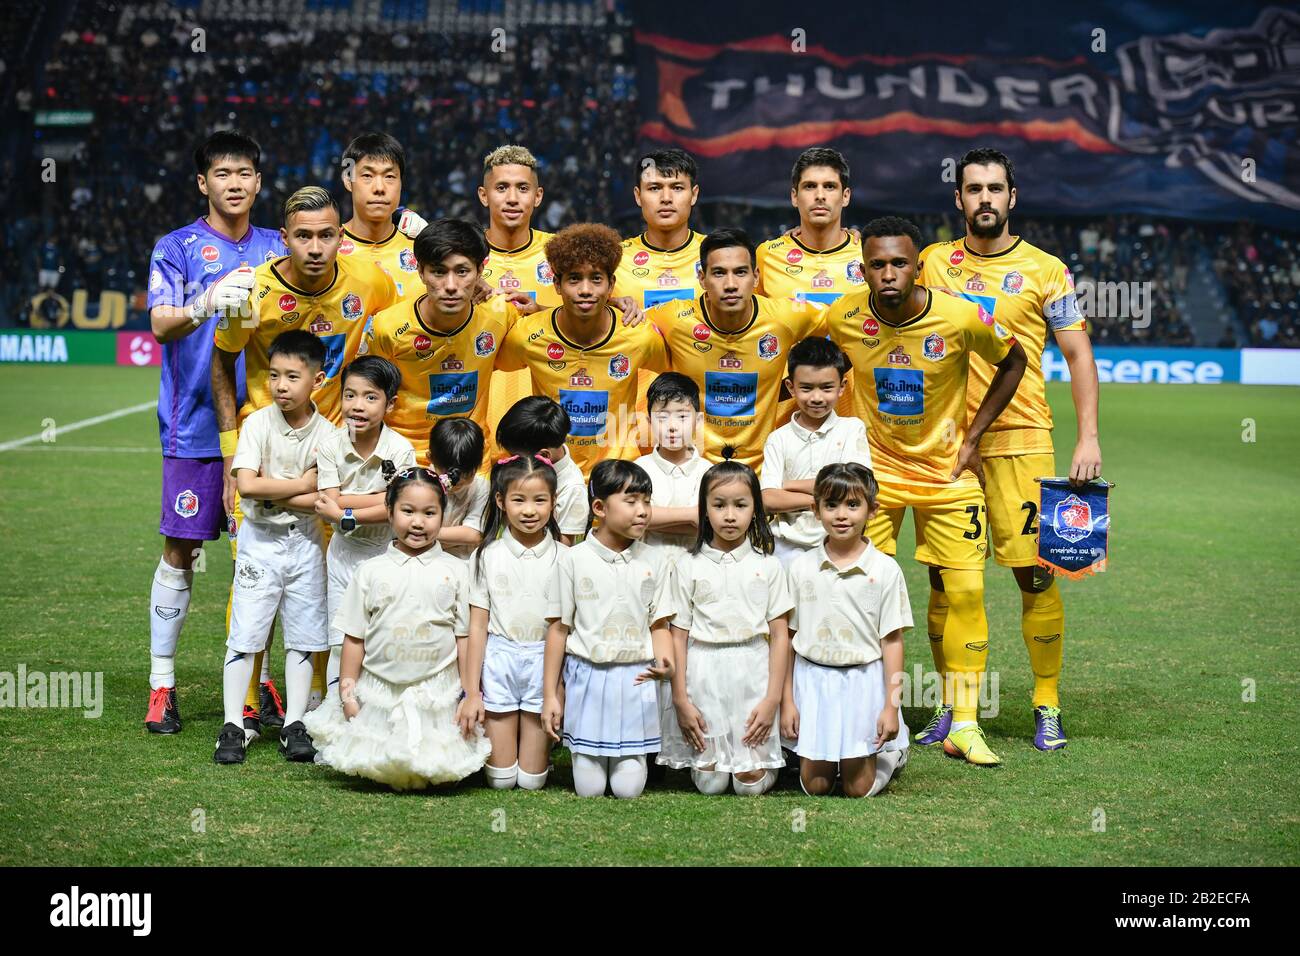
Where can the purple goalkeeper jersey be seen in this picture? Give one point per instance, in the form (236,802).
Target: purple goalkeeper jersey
(185,262)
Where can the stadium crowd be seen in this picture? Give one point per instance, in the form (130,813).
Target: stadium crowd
(568,92)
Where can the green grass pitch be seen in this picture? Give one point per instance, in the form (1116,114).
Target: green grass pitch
(1180,684)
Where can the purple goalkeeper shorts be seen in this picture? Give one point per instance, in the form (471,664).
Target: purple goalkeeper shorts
(191,499)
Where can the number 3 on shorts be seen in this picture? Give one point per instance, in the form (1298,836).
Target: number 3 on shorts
(976,531)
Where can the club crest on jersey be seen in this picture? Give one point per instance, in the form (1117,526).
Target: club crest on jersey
(853,272)
(768,347)
(957,256)
(555,351)
(668,280)
(641,258)
(620,367)
(352,306)
(794,256)
(484,343)
(870,326)
(209,253)
(822,280)
(1073,518)
(730,361)
(406,259)
(187,504)
(269,257)
(422,343)
(508,280)
(1012,283)
(975,283)
(699,272)
(288,303)
(899,356)
(320,325)
(347,247)
(453,364)
(933,347)
(545,274)
(580,378)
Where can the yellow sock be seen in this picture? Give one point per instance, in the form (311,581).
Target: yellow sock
(965,641)
(254,698)
(1042,622)
(935,619)
(319,661)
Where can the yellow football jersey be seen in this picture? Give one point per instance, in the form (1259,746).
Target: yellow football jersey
(395,255)
(787,269)
(523,270)
(910,388)
(444,374)
(337,315)
(1027,291)
(596,384)
(651,275)
(739,373)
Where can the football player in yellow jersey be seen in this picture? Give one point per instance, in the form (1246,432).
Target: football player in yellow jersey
(820,260)
(912,348)
(662,263)
(733,344)
(1029,292)
(580,355)
(373,166)
(444,345)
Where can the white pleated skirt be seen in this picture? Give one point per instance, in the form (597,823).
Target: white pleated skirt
(725,682)
(838,709)
(605,713)
(405,734)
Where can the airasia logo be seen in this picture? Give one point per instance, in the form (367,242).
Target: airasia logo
(555,351)
(957,257)
(288,303)
(209,253)
(794,256)
(641,258)
(346,247)
(701,332)
(870,326)
(422,343)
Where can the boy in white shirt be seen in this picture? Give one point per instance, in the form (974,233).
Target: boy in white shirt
(538,425)
(814,437)
(281,561)
(675,466)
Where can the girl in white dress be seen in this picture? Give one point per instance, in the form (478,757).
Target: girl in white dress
(731,642)
(405,617)
(608,606)
(507,621)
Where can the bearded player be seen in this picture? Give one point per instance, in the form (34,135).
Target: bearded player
(912,348)
(198,273)
(1029,291)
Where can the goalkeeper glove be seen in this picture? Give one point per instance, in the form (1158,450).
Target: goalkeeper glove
(226,295)
(410,224)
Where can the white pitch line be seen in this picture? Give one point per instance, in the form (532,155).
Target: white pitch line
(86,449)
(84,423)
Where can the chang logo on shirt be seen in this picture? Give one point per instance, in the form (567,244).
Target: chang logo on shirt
(730,394)
(900,392)
(453,393)
(587,411)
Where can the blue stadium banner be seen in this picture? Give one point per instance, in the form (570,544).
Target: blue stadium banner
(1184,110)
(1073,527)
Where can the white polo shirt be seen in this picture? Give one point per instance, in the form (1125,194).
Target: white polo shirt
(512,586)
(794,453)
(409,611)
(675,486)
(610,599)
(270,446)
(571,507)
(465,510)
(728,597)
(841,616)
(338,465)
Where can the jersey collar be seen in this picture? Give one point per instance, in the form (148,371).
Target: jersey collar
(371,242)
(514,252)
(929,301)
(690,237)
(753,317)
(415,309)
(303,292)
(555,327)
(848,237)
(202,223)
(991,255)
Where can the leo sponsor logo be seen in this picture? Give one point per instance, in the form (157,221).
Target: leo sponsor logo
(508,282)
(453,364)
(975,283)
(555,351)
(580,379)
(668,280)
(729,361)
(822,280)
(899,356)
(320,325)
(288,303)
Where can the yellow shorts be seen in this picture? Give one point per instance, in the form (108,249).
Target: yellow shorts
(1013,498)
(950,534)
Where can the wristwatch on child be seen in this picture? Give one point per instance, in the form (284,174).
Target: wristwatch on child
(347,522)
